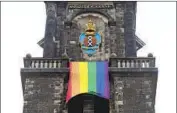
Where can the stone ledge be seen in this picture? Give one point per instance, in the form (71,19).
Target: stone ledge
(116,70)
(66,70)
(50,70)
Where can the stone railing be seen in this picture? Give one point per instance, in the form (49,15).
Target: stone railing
(136,62)
(39,62)
(116,62)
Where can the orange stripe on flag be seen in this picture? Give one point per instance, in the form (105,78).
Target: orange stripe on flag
(75,79)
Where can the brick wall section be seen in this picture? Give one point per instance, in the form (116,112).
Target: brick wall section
(44,94)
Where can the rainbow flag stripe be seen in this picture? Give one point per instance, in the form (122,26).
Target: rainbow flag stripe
(88,77)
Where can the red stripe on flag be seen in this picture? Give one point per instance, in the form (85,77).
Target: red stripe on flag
(69,84)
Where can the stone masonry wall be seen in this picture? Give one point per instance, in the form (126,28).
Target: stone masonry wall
(134,94)
(44,94)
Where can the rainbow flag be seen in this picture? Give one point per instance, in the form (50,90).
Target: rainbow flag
(88,77)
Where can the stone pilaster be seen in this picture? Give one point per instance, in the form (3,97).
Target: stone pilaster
(74,50)
(60,34)
(129,29)
(119,7)
(112,36)
(49,46)
(107,42)
(112,93)
(118,95)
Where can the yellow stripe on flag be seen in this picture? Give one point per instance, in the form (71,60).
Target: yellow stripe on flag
(83,72)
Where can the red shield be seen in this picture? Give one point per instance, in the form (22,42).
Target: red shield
(90,41)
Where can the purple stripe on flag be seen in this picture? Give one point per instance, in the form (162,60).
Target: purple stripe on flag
(106,92)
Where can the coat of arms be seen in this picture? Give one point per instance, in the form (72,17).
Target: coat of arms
(90,40)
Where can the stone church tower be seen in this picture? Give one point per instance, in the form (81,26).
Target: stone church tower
(133,79)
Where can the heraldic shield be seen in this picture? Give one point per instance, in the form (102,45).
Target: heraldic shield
(90,40)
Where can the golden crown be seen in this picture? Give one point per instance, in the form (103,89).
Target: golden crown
(90,26)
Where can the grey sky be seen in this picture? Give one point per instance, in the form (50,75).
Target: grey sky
(23,25)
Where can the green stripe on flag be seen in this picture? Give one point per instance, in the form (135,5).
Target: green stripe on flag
(92,76)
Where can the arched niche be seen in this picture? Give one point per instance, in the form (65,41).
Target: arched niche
(101,23)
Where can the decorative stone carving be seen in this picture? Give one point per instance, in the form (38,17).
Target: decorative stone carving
(100,21)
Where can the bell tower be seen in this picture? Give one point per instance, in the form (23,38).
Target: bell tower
(116,19)
(90,31)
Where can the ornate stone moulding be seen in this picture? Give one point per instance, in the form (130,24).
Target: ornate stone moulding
(102,17)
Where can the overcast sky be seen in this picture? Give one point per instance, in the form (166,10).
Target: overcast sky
(23,25)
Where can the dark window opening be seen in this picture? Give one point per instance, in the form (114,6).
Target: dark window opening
(86,102)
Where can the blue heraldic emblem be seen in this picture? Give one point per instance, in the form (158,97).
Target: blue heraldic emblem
(90,41)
